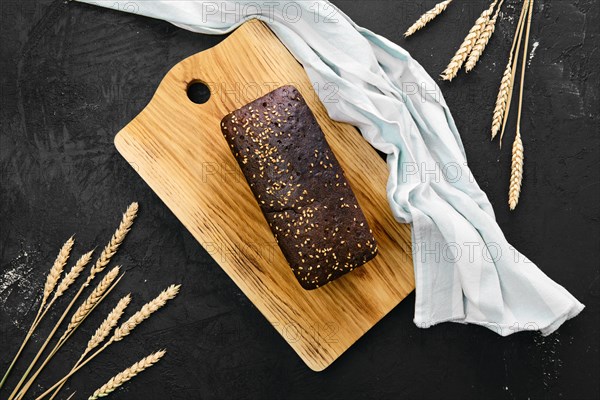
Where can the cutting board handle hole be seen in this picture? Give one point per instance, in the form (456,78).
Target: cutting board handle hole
(198,92)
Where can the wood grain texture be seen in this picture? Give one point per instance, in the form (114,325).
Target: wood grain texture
(178,149)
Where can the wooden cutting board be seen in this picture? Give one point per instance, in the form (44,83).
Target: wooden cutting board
(178,149)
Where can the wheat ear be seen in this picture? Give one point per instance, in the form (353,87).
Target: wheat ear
(57,269)
(101,333)
(72,275)
(483,40)
(467,45)
(108,324)
(127,375)
(107,253)
(518,158)
(427,17)
(89,303)
(516,172)
(51,280)
(123,330)
(502,99)
(115,241)
(145,312)
(67,281)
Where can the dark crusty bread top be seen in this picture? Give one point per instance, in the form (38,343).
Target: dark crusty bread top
(299,186)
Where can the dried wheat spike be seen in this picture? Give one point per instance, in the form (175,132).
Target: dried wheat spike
(108,324)
(75,271)
(145,312)
(467,45)
(92,299)
(502,99)
(127,375)
(483,40)
(57,268)
(115,241)
(427,17)
(516,173)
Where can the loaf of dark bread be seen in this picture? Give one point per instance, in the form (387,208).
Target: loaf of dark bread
(300,187)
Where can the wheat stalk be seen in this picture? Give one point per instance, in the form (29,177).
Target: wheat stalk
(483,40)
(127,375)
(67,334)
(516,172)
(115,241)
(514,66)
(427,17)
(51,280)
(103,260)
(123,330)
(102,332)
(467,45)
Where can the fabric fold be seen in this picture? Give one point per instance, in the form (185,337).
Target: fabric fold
(465,270)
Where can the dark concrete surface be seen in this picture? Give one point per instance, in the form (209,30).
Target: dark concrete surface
(73,75)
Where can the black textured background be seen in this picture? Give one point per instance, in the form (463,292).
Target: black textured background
(74,74)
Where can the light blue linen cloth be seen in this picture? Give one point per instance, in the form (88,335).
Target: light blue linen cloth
(465,269)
